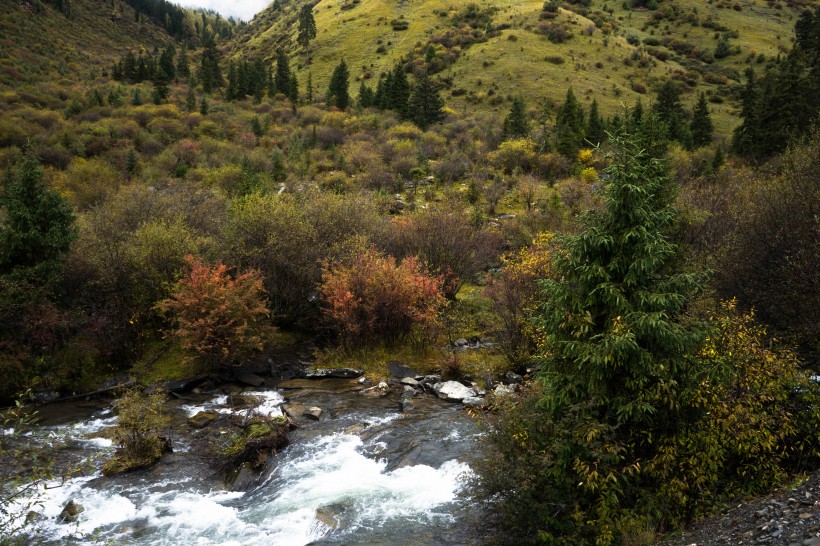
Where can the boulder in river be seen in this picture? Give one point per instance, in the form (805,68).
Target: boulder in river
(473,402)
(202,419)
(249,378)
(312,413)
(378,391)
(453,391)
(400,370)
(71,511)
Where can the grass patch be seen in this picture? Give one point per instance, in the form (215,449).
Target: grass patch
(166,362)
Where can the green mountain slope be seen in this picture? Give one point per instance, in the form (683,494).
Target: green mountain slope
(605,50)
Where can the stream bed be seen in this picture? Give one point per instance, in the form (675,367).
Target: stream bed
(364,473)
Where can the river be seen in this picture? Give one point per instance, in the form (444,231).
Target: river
(364,473)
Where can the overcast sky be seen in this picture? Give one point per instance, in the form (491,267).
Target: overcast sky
(240,9)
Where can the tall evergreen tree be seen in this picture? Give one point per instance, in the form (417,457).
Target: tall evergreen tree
(281,79)
(183,65)
(595,132)
(425,104)
(307,29)
(167,69)
(232,91)
(569,126)
(293,89)
(702,126)
(397,91)
(337,90)
(517,122)
(670,111)
(309,89)
(210,75)
(36,229)
(366,96)
(744,137)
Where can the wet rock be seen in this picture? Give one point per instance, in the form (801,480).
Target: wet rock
(243,478)
(202,419)
(453,391)
(244,400)
(293,410)
(33,517)
(331,514)
(407,405)
(378,391)
(400,370)
(71,511)
(231,389)
(409,381)
(473,402)
(180,385)
(330,385)
(249,378)
(313,413)
(45,397)
(355,430)
(336,373)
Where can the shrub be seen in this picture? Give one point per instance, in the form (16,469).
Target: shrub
(141,420)
(222,319)
(514,155)
(372,298)
(446,242)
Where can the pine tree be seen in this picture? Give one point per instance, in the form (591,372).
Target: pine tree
(337,90)
(595,133)
(203,106)
(366,96)
(37,227)
(293,89)
(307,29)
(398,91)
(425,104)
(210,75)
(281,78)
(745,136)
(232,92)
(166,68)
(670,111)
(701,127)
(309,89)
(569,127)
(517,122)
(183,66)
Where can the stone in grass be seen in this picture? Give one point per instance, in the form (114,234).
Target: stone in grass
(473,402)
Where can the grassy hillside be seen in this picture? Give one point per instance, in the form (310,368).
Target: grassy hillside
(41,43)
(610,51)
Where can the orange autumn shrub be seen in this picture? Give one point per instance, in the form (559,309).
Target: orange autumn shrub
(371,297)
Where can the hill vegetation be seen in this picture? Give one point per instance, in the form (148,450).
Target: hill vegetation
(180,194)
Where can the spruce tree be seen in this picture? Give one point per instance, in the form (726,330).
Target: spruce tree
(281,79)
(307,29)
(701,127)
(183,66)
(309,89)
(37,227)
(166,65)
(366,97)
(595,133)
(425,104)
(232,92)
(337,90)
(569,127)
(670,111)
(210,75)
(293,89)
(397,91)
(745,136)
(517,122)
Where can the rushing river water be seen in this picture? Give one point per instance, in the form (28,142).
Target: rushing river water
(364,474)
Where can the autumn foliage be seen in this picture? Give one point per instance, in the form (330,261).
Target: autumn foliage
(371,297)
(220,317)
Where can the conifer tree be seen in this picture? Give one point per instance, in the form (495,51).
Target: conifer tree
(203,106)
(670,111)
(745,135)
(37,227)
(517,122)
(232,92)
(366,96)
(307,29)
(210,75)
(183,66)
(425,104)
(569,126)
(337,90)
(397,91)
(701,127)
(167,69)
(293,89)
(595,132)
(282,77)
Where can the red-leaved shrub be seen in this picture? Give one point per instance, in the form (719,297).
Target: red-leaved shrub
(370,297)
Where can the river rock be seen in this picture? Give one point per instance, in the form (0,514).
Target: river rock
(70,513)
(231,389)
(409,381)
(400,370)
(313,413)
(244,400)
(376,392)
(202,419)
(473,402)
(244,478)
(513,378)
(407,405)
(453,391)
(337,373)
(249,378)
